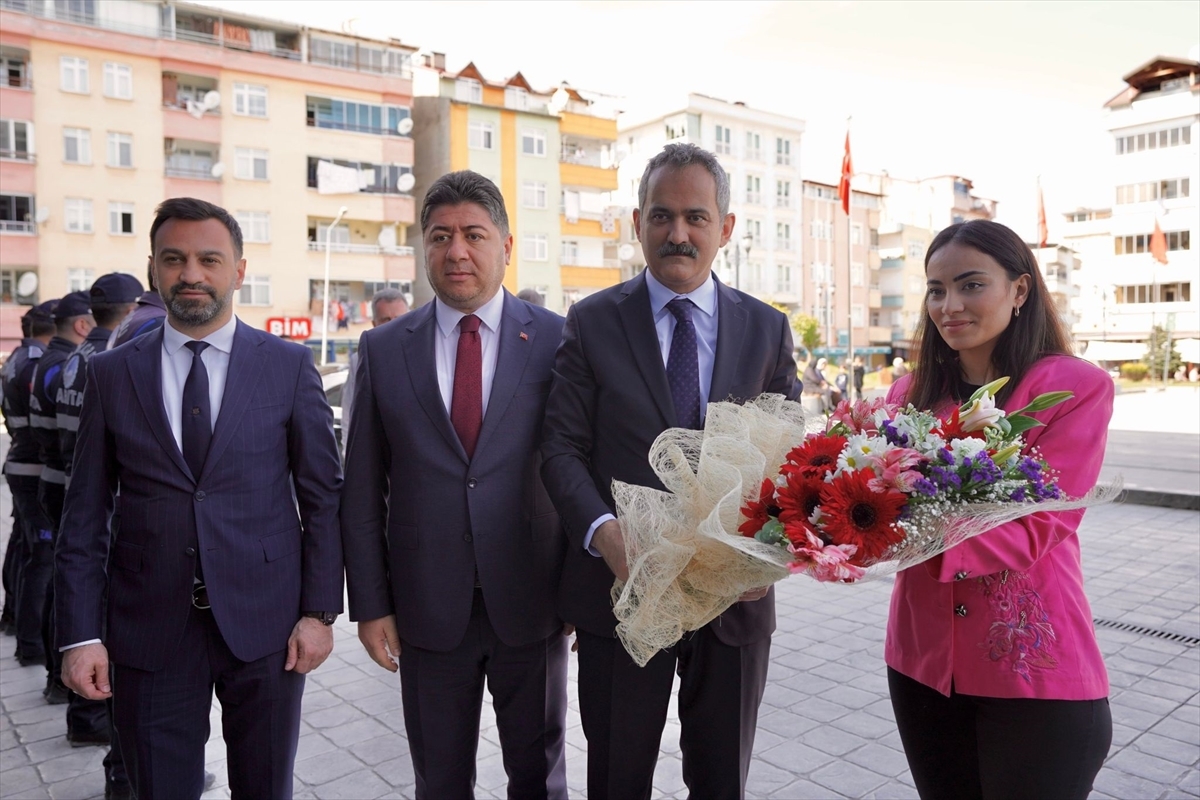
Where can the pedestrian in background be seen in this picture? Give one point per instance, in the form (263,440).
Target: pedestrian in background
(386,305)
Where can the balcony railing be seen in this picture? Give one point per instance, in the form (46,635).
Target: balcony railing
(783,244)
(754,154)
(316,122)
(17,81)
(361,249)
(783,201)
(783,159)
(18,155)
(17,226)
(200,37)
(192,172)
(754,198)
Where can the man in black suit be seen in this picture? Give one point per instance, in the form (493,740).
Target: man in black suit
(226,571)
(636,359)
(453,549)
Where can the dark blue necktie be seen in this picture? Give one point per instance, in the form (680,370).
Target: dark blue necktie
(683,365)
(197,416)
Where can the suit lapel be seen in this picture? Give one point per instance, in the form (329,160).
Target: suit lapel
(731,328)
(246,368)
(422,373)
(145,370)
(638,321)
(510,363)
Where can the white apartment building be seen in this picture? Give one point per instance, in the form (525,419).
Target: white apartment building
(760,151)
(1155,124)
(929,203)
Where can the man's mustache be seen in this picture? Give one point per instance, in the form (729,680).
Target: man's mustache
(193,287)
(682,249)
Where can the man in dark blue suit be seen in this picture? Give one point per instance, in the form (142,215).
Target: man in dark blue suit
(453,549)
(227,568)
(636,359)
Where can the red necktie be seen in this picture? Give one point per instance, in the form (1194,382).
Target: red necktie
(466,404)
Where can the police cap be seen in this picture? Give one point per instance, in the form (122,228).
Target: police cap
(115,288)
(42,312)
(75,304)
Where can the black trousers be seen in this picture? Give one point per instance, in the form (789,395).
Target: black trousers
(10,573)
(161,718)
(964,747)
(35,567)
(443,697)
(624,709)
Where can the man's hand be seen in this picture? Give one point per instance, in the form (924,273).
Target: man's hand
(85,671)
(309,645)
(611,544)
(381,641)
(754,594)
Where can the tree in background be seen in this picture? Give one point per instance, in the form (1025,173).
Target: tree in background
(1158,353)
(808,332)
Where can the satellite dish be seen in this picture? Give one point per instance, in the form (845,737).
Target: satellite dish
(559,100)
(218,169)
(40,216)
(195,109)
(212,99)
(625,252)
(405,182)
(27,284)
(404,126)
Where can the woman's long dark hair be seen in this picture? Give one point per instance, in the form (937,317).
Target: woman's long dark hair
(1036,333)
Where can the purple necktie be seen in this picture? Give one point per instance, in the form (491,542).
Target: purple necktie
(683,366)
(466,404)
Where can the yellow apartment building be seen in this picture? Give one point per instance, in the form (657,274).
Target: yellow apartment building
(553,155)
(109,107)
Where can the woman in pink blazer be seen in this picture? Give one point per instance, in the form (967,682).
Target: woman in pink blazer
(996,679)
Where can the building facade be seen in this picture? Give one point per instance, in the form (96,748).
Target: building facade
(902,251)
(108,108)
(551,152)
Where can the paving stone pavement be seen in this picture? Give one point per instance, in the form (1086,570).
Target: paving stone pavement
(825,730)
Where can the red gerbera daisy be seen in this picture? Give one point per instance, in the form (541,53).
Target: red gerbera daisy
(816,456)
(798,499)
(952,429)
(757,512)
(854,514)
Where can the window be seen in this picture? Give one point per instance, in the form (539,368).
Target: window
(1127,245)
(255,291)
(256,226)
(856,233)
(533,194)
(73,74)
(753,189)
(783,152)
(821,273)
(753,146)
(856,315)
(820,192)
(1154,190)
(1149,293)
(533,142)
(570,253)
(783,277)
(16,213)
(516,97)
(373,178)
(346,115)
(335,235)
(916,285)
(856,274)
(534,247)
(15,139)
(783,236)
(468,90)
(783,194)
(481,136)
(754,228)
(250,164)
(77,146)
(78,218)
(118,81)
(249,100)
(120,219)
(723,140)
(1167,137)
(120,149)
(821,229)
(15,72)
(916,250)
(80,279)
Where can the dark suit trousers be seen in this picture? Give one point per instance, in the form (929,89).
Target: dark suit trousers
(36,567)
(624,709)
(443,697)
(161,718)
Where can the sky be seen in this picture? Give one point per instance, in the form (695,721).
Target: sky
(997,92)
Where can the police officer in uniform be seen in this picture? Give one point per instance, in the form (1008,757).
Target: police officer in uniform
(30,538)
(147,315)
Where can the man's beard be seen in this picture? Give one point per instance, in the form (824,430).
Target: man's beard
(193,313)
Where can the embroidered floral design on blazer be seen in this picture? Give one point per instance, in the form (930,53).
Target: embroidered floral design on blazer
(1020,633)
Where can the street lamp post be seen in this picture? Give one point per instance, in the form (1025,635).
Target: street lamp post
(325,304)
(741,244)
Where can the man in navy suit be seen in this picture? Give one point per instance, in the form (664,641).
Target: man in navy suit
(227,568)
(453,549)
(636,359)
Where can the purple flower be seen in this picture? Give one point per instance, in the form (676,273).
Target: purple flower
(983,469)
(1018,496)
(894,436)
(925,487)
(1030,468)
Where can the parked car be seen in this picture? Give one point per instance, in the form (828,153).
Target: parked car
(333,381)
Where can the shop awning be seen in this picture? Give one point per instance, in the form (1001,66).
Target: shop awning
(1115,351)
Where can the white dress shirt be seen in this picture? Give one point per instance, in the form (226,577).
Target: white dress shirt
(445,344)
(177,363)
(704,298)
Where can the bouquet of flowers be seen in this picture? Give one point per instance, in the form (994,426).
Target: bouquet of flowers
(761,493)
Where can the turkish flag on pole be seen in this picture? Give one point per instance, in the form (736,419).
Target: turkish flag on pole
(1043,230)
(847,173)
(1158,244)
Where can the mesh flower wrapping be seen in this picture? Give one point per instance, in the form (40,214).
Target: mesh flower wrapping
(749,500)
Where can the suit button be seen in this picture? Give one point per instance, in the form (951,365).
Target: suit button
(958,576)
(191,551)
(960,610)
(466,537)
(472,483)
(199,496)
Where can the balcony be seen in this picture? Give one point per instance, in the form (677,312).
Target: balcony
(754,154)
(361,249)
(588,176)
(26,227)
(783,201)
(18,155)
(589,277)
(783,244)
(754,198)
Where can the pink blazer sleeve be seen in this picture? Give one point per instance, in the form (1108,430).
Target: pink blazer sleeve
(1072,442)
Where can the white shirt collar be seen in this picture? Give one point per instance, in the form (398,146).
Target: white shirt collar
(490,314)
(221,338)
(703,296)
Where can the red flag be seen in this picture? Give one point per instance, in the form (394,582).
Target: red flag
(1158,244)
(847,173)
(1043,230)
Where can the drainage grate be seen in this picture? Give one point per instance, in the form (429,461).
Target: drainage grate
(1188,641)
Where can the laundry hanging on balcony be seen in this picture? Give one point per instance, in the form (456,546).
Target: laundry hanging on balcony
(332,179)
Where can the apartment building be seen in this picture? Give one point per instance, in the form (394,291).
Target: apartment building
(760,151)
(110,107)
(551,152)
(929,203)
(1126,291)
(902,251)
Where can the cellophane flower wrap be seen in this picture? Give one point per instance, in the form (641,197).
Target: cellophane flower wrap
(758,495)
